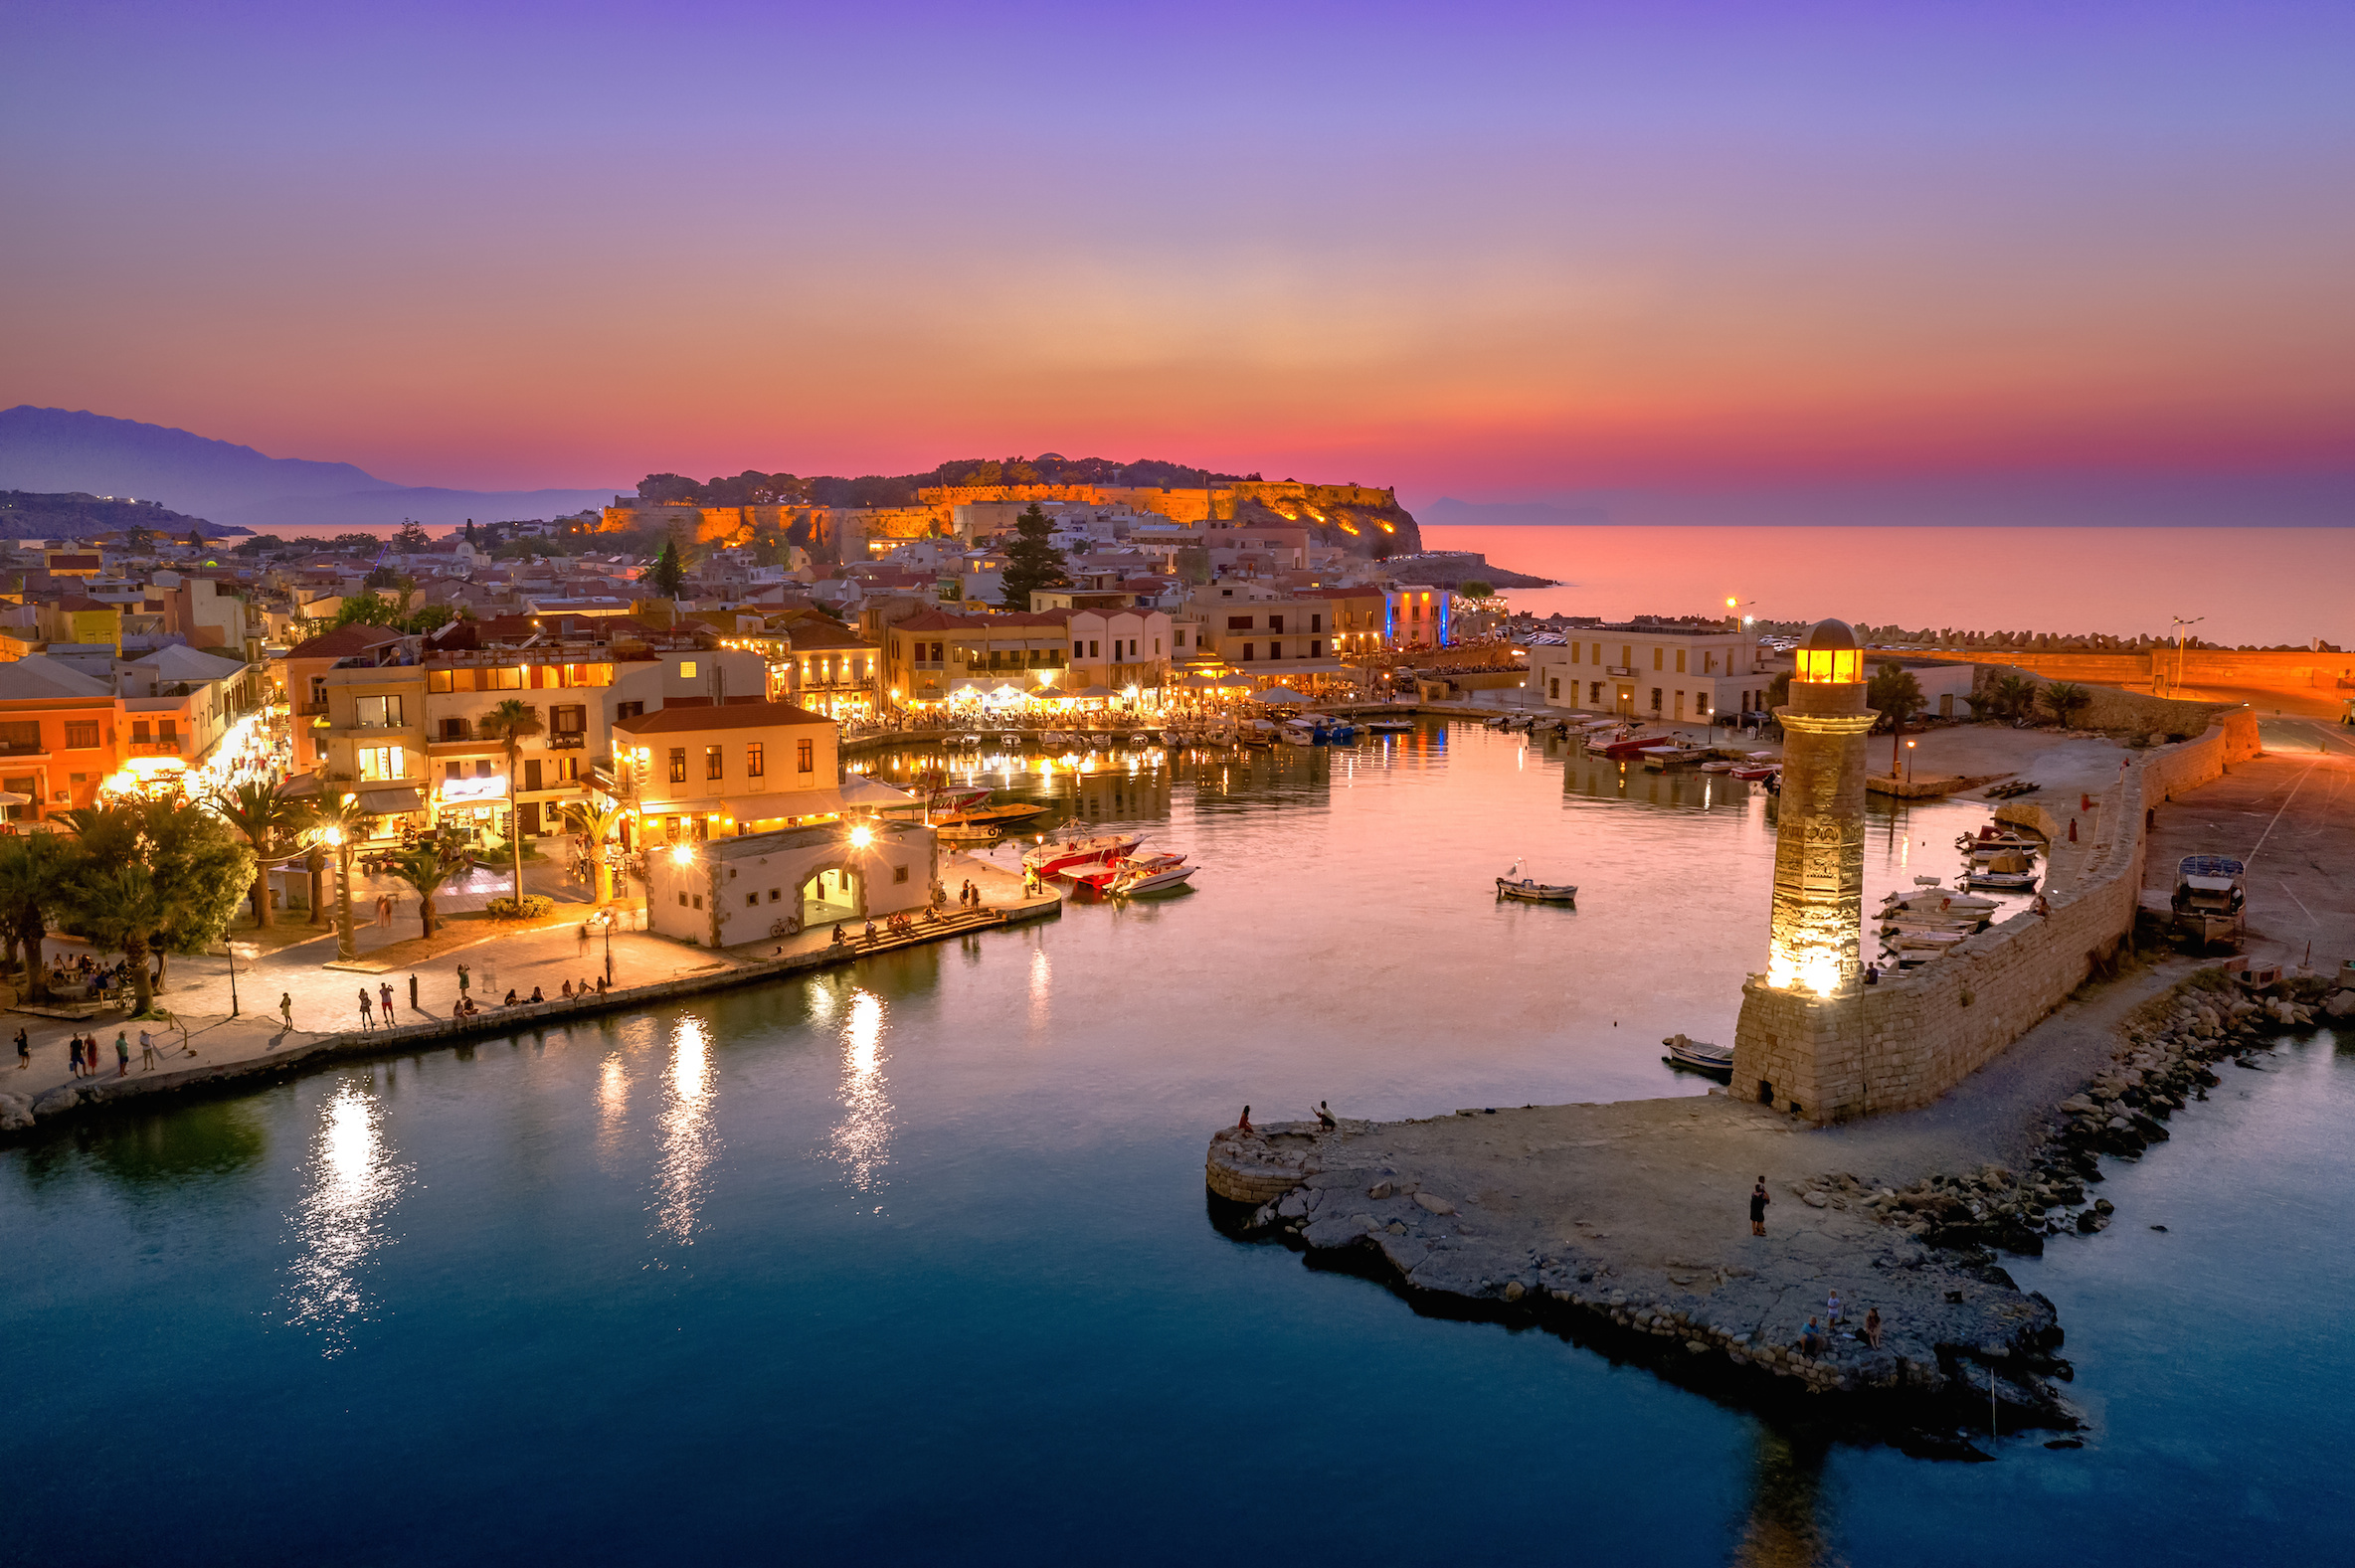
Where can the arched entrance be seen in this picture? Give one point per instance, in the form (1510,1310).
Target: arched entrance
(830,894)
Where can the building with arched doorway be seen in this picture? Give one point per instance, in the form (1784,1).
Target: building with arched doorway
(724,892)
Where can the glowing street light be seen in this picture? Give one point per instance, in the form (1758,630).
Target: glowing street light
(861,836)
(682,854)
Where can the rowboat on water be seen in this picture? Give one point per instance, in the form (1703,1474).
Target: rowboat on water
(1699,1055)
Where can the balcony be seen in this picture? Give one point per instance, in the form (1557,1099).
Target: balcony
(570,741)
(1623,671)
(310,710)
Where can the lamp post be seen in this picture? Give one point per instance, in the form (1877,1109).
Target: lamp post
(233,975)
(2181,625)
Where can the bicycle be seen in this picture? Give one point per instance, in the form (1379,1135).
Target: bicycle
(785,926)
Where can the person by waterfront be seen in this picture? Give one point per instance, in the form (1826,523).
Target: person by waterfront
(510,1001)
(536,996)
(1811,1338)
(73,1055)
(384,1000)
(466,981)
(24,1050)
(1244,1123)
(367,1010)
(1758,1202)
(1832,1309)
(146,1052)
(122,1054)
(584,949)
(1324,1118)
(1873,1327)
(286,1007)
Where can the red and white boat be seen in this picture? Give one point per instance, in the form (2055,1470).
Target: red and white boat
(1757,766)
(1054,859)
(1130,873)
(1627,746)
(957,797)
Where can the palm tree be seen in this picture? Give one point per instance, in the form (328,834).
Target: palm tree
(600,823)
(337,822)
(270,822)
(509,723)
(424,866)
(33,871)
(2014,695)
(154,877)
(2066,700)
(1899,696)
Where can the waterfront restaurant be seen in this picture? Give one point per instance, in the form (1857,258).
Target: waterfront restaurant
(770,884)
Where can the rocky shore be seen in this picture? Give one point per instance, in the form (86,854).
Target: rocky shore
(1624,1225)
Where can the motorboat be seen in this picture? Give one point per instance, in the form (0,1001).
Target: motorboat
(1626,746)
(1172,738)
(1930,895)
(997,816)
(1050,858)
(1124,875)
(1392,726)
(1009,738)
(969,833)
(1054,740)
(1755,773)
(1672,754)
(957,797)
(1531,891)
(1699,1055)
(2001,881)
(1992,842)
(1144,738)
(1720,766)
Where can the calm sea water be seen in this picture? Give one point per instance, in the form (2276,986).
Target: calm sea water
(2259,585)
(912,1262)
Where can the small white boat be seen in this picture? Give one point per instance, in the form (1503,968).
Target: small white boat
(1049,859)
(1172,738)
(1719,767)
(1755,773)
(1531,891)
(1149,874)
(1392,727)
(1673,753)
(1009,738)
(2004,881)
(1699,1055)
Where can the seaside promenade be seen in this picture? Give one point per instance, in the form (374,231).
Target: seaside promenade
(499,956)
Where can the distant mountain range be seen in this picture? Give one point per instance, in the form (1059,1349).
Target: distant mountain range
(57,450)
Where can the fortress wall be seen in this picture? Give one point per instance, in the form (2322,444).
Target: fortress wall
(2293,668)
(1902,1043)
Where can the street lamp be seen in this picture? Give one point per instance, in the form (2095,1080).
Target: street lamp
(2181,625)
(1910,745)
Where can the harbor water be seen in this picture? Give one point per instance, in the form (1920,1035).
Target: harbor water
(911,1261)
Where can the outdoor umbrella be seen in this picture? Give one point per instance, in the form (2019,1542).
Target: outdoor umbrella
(1281,694)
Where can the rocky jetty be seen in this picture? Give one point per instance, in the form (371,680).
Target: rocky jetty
(1625,1223)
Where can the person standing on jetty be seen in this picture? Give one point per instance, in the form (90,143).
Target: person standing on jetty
(24,1050)
(1758,1202)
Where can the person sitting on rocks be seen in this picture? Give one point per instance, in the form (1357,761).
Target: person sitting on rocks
(869,932)
(1832,1309)
(1324,1118)
(1873,1327)
(1811,1339)
(1244,1125)
(567,990)
(536,996)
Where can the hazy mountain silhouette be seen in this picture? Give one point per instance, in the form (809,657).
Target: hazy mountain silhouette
(61,450)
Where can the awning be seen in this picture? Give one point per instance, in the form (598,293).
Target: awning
(860,790)
(1281,694)
(392,803)
(301,787)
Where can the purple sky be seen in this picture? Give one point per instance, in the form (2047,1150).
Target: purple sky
(1494,251)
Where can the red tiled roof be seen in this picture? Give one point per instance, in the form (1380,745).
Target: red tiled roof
(343,641)
(675,717)
(942,621)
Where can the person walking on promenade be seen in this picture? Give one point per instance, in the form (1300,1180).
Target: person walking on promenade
(384,1000)
(24,1050)
(286,1007)
(122,1054)
(1758,1202)
(146,1052)
(584,949)
(73,1055)
(367,1010)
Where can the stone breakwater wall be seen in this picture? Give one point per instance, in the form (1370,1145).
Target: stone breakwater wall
(1902,1043)
(1355,1202)
(2115,709)
(20,1114)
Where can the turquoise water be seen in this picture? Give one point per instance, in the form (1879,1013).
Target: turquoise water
(912,1262)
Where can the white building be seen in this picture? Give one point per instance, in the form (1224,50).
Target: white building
(1672,674)
(763,886)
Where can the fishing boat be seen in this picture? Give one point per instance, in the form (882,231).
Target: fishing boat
(1991,841)
(1930,895)
(1049,859)
(1699,1055)
(1531,891)
(1009,738)
(1753,773)
(2004,879)
(1626,746)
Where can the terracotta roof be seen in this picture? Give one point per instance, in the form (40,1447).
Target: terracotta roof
(942,621)
(815,634)
(675,717)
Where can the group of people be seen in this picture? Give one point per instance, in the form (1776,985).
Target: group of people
(83,969)
(1816,1337)
(84,1054)
(968,894)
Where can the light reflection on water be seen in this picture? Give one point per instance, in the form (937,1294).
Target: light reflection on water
(341,1221)
(689,1142)
(861,1140)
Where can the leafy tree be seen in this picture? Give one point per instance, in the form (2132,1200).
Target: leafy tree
(33,871)
(367,608)
(424,866)
(1476,592)
(271,824)
(2066,700)
(154,877)
(511,723)
(1778,691)
(1194,564)
(427,617)
(662,489)
(383,577)
(668,575)
(357,544)
(1031,562)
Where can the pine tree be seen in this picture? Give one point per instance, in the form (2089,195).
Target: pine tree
(1031,562)
(668,575)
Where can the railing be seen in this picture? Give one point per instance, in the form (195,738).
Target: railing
(310,710)
(572,741)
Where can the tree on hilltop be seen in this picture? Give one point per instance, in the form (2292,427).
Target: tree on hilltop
(1031,561)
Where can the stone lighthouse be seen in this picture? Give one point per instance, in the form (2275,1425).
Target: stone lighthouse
(1792,1015)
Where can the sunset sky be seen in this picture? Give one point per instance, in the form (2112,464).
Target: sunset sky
(1484,250)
